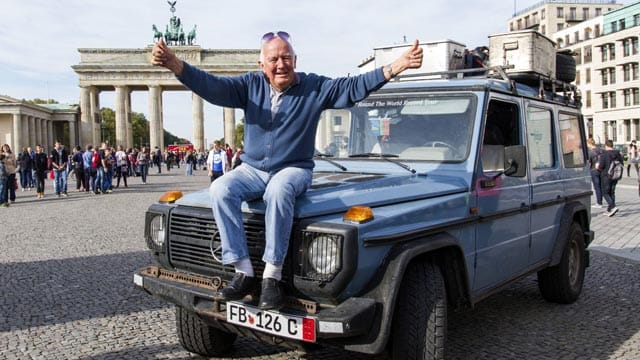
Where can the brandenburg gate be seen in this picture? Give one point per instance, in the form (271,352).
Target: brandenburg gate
(127,70)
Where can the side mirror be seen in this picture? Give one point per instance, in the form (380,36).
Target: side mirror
(515,161)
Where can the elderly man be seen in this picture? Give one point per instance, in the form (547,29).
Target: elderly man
(282,108)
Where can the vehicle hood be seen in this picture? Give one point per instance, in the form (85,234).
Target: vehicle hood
(336,192)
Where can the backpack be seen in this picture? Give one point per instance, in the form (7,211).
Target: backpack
(616,169)
(95,160)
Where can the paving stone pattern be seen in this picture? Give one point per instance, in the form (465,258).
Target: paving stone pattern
(66,289)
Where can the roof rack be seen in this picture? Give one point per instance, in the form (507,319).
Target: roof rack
(547,88)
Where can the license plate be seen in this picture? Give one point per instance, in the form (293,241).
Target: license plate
(289,326)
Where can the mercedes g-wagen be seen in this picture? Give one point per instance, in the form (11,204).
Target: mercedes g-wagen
(429,195)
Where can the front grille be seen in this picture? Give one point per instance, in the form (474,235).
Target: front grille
(191,231)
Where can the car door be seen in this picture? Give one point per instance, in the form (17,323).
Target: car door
(503,202)
(546,186)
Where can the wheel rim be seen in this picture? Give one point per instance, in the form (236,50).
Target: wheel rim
(574,262)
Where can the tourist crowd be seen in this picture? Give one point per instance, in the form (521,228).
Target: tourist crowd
(94,170)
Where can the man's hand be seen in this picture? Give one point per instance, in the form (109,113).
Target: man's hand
(411,59)
(162,55)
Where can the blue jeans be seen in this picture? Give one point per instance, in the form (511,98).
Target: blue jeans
(189,169)
(97,182)
(595,179)
(3,190)
(279,191)
(25,179)
(106,179)
(60,181)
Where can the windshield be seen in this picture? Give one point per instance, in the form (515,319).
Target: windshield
(427,127)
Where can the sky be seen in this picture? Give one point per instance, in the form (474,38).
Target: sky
(39,39)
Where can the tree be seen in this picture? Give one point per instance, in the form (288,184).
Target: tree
(40,101)
(140,129)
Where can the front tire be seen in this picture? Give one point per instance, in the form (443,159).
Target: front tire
(420,322)
(562,283)
(197,337)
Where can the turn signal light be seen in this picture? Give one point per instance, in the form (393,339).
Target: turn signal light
(170,197)
(358,214)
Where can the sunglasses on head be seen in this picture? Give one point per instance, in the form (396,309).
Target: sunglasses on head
(271,35)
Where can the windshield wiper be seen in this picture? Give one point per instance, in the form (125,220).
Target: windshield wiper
(385,157)
(324,157)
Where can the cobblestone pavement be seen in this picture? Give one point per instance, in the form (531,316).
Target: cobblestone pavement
(66,290)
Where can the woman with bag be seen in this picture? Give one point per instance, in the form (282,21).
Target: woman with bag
(121,166)
(633,158)
(10,164)
(41,166)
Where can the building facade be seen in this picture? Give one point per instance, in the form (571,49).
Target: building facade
(551,16)
(23,124)
(608,72)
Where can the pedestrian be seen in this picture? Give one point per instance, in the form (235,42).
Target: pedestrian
(25,163)
(190,161)
(143,162)
(4,175)
(41,167)
(88,171)
(157,156)
(108,163)
(10,164)
(278,159)
(608,185)
(236,160)
(632,158)
(217,161)
(59,159)
(594,153)
(78,168)
(121,166)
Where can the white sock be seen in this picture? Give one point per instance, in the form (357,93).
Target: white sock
(272,271)
(244,266)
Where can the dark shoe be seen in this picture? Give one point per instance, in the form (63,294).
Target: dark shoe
(239,287)
(271,296)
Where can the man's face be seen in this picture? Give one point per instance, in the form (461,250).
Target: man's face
(278,63)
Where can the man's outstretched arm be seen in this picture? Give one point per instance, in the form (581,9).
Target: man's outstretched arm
(411,59)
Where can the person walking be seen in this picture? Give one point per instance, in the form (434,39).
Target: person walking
(59,159)
(594,154)
(282,109)
(633,158)
(143,162)
(41,167)
(190,160)
(3,182)
(10,164)
(78,168)
(216,161)
(26,168)
(607,184)
(121,166)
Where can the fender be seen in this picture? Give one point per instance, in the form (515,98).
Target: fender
(441,248)
(568,214)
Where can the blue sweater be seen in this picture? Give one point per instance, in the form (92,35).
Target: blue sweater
(288,138)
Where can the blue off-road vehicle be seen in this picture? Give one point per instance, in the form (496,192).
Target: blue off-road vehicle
(427,196)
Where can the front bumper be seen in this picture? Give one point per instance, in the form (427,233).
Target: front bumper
(352,318)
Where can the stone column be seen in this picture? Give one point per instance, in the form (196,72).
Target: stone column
(32,133)
(155,117)
(16,140)
(197,106)
(230,126)
(86,120)
(121,116)
(42,134)
(50,139)
(95,116)
(127,109)
(72,135)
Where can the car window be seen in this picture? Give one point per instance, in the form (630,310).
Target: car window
(429,127)
(540,137)
(571,140)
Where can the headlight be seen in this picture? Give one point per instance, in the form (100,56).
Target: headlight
(324,255)
(157,234)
